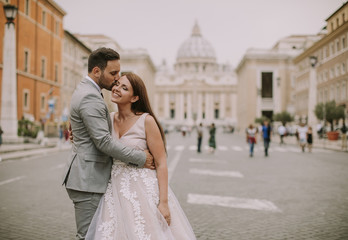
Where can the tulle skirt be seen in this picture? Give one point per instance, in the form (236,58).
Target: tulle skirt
(128,210)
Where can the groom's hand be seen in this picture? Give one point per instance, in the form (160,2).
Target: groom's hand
(150,163)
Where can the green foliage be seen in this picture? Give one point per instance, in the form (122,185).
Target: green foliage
(283,117)
(329,111)
(27,128)
(262,119)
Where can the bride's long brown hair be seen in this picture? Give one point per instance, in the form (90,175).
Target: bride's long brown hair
(143,103)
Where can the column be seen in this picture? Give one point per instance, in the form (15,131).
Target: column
(9,120)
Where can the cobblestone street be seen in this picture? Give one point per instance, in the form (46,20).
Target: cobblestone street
(226,195)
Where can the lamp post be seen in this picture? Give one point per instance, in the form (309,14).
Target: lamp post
(312,91)
(9,78)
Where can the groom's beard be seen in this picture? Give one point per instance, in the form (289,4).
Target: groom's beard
(103,83)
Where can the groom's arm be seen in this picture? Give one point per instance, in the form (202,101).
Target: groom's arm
(93,113)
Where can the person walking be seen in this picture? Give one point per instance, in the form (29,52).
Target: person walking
(266,134)
(212,142)
(344,136)
(281,132)
(302,135)
(310,139)
(199,137)
(1,132)
(251,133)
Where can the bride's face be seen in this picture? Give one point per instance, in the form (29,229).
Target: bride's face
(122,92)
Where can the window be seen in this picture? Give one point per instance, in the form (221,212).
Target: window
(26,99)
(57,27)
(172,113)
(338,45)
(216,113)
(42,102)
(43,66)
(344,42)
(343,68)
(344,91)
(44,18)
(343,17)
(338,93)
(337,21)
(26,7)
(267,84)
(26,61)
(56,73)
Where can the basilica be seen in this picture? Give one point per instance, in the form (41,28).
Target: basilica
(197,88)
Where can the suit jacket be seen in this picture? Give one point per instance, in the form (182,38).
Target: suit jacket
(89,166)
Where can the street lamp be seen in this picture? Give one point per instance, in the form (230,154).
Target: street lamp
(313,60)
(10,13)
(9,120)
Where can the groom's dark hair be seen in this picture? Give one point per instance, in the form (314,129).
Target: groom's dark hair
(100,57)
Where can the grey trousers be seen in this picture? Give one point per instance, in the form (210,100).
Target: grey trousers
(85,203)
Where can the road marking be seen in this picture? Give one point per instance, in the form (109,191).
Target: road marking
(232,202)
(222,148)
(172,164)
(168,147)
(279,149)
(199,160)
(193,147)
(237,148)
(216,173)
(57,167)
(11,180)
(179,148)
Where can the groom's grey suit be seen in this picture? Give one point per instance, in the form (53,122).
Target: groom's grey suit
(89,166)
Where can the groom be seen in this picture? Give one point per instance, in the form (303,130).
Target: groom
(89,166)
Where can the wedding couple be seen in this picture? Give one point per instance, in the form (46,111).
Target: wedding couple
(117,175)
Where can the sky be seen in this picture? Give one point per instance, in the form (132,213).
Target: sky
(231,26)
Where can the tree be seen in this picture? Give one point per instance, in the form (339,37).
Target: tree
(283,117)
(261,120)
(330,112)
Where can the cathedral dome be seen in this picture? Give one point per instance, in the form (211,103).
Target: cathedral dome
(196,47)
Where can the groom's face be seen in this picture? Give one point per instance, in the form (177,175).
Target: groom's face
(110,74)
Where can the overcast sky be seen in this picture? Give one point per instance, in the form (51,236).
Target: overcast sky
(231,26)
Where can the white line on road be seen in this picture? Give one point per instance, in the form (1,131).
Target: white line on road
(222,148)
(11,180)
(57,167)
(193,147)
(232,202)
(199,160)
(173,163)
(237,148)
(216,173)
(179,148)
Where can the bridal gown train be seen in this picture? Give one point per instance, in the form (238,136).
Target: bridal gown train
(128,210)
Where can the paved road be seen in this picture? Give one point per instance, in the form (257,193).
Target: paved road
(226,195)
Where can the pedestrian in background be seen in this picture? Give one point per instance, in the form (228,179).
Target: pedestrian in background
(212,142)
(282,132)
(266,134)
(199,137)
(1,132)
(310,139)
(251,138)
(302,135)
(344,136)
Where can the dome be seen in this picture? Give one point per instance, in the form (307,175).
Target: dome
(196,46)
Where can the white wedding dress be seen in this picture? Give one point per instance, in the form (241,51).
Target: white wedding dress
(128,210)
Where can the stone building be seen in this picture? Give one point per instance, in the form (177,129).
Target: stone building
(266,79)
(75,57)
(198,89)
(326,77)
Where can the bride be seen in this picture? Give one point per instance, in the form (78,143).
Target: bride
(138,203)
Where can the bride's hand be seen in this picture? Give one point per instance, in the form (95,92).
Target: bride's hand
(164,209)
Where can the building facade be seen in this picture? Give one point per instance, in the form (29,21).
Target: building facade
(198,89)
(75,59)
(327,79)
(266,79)
(39,38)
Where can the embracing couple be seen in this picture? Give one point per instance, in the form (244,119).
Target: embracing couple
(117,174)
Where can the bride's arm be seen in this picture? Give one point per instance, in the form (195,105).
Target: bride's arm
(156,146)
